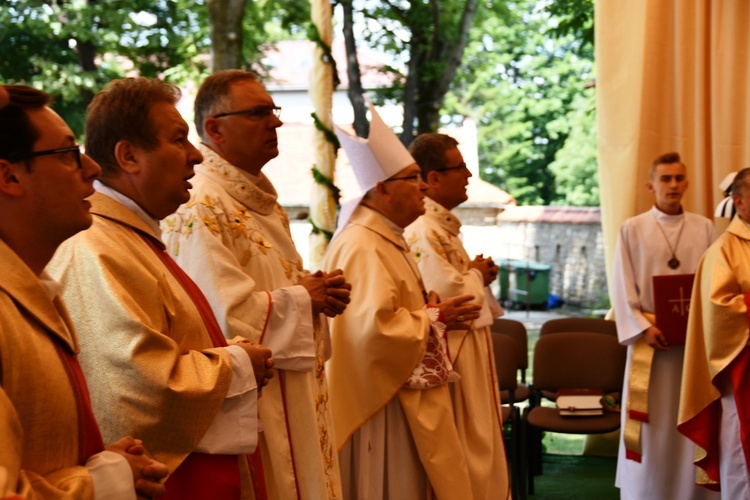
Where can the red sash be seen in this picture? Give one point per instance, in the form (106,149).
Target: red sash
(704,428)
(89,437)
(202,475)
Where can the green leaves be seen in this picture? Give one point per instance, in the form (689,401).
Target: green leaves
(72,48)
(525,87)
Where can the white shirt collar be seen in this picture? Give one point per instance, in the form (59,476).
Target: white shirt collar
(661,215)
(119,197)
(252,178)
(50,285)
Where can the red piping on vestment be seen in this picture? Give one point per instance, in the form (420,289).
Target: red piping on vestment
(268,317)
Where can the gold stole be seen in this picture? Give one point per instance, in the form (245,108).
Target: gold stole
(637,403)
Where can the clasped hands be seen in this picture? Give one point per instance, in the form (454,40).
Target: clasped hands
(260,357)
(329,292)
(457,312)
(147,472)
(486,266)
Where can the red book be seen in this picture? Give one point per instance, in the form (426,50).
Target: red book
(672,305)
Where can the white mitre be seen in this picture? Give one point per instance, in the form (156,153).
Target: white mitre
(727,182)
(375,159)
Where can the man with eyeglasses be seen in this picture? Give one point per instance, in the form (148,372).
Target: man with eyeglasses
(233,239)
(51,444)
(389,374)
(434,241)
(158,364)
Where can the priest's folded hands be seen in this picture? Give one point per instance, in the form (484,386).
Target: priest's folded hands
(329,292)
(261,359)
(147,472)
(457,313)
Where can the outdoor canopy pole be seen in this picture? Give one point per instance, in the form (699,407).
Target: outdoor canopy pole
(323,205)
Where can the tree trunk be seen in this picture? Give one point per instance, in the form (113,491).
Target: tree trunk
(355,91)
(431,87)
(225,19)
(411,88)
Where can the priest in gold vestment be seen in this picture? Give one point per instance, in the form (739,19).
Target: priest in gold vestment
(389,373)
(51,446)
(233,239)
(435,244)
(155,358)
(715,398)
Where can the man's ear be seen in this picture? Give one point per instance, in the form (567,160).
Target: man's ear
(381,189)
(127,154)
(650,186)
(212,130)
(9,179)
(433,179)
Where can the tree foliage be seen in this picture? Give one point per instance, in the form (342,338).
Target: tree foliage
(426,40)
(523,76)
(520,68)
(72,48)
(525,85)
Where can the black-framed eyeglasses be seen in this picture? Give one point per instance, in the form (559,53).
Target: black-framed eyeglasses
(462,166)
(410,178)
(258,111)
(76,150)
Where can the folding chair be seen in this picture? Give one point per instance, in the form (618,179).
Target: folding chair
(504,348)
(570,360)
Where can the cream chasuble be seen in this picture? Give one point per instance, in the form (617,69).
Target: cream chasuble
(152,369)
(233,239)
(378,341)
(716,346)
(444,264)
(666,469)
(39,420)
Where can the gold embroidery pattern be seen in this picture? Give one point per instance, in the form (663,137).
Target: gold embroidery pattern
(236,184)
(232,213)
(321,405)
(446,243)
(235,224)
(284,219)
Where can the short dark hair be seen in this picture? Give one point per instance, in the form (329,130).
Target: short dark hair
(664,159)
(213,95)
(428,150)
(739,184)
(17,133)
(122,112)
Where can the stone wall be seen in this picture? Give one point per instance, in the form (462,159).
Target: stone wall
(567,238)
(575,252)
